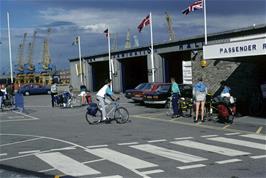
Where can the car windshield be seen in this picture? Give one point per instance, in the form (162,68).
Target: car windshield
(163,88)
(147,86)
(140,86)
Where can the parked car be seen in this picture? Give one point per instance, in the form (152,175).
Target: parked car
(34,89)
(163,93)
(139,95)
(129,93)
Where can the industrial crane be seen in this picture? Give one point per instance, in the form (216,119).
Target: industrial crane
(169,22)
(29,67)
(20,66)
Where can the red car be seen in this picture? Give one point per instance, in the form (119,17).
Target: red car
(139,95)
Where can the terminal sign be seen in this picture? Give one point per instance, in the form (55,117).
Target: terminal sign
(252,47)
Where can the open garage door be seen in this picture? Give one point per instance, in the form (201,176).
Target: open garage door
(134,72)
(173,65)
(100,72)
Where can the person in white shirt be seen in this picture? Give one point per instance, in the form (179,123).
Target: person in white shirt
(105,91)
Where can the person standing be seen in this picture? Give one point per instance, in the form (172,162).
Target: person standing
(53,92)
(175,96)
(199,94)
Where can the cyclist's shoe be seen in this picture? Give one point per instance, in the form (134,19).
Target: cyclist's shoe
(107,121)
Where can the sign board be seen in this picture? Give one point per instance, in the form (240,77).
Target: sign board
(187,72)
(251,47)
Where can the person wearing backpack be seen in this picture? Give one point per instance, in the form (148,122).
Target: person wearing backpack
(53,92)
(199,94)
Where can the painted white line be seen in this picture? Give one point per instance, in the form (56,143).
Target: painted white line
(258,157)
(259,130)
(96,146)
(152,171)
(239,142)
(15,120)
(234,133)
(15,117)
(66,148)
(29,140)
(191,166)
(228,161)
(3,154)
(167,153)
(27,152)
(121,159)
(155,141)
(130,143)
(47,170)
(115,176)
(255,136)
(32,117)
(66,164)
(210,148)
(207,136)
(93,161)
(183,138)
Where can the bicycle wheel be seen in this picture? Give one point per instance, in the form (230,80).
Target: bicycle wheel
(121,115)
(94,119)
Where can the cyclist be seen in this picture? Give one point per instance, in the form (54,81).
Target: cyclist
(103,93)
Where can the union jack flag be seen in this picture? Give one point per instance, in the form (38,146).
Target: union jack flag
(195,6)
(144,22)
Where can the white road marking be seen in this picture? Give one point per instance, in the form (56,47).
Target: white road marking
(96,146)
(152,171)
(183,138)
(29,140)
(210,148)
(93,161)
(167,153)
(15,120)
(129,143)
(66,164)
(155,141)
(27,152)
(234,133)
(228,161)
(32,117)
(121,159)
(115,176)
(15,117)
(239,142)
(191,166)
(255,136)
(258,157)
(66,148)
(3,154)
(259,130)
(207,136)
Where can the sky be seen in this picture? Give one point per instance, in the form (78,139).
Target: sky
(89,18)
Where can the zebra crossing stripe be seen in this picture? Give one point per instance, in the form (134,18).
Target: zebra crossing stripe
(228,161)
(66,165)
(152,171)
(120,158)
(167,153)
(191,166)
(258,157)
(210,148)
(239,142)
(255,136)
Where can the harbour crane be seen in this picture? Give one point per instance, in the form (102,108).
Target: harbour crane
(169,22)
(29,67)
(20,66)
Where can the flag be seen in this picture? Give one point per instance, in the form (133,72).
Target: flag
(76,41)
(195,6)
(106,32)
(144,22)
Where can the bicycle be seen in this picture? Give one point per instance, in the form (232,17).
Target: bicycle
(116,113)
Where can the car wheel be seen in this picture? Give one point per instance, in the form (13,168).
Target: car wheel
(27,93)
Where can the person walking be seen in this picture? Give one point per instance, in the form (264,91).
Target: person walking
(199,94)
(175,96)
(53,92)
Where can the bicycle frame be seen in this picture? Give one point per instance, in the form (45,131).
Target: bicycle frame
(114,105)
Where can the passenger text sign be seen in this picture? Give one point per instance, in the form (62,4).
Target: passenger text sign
(187,72)
(253,47)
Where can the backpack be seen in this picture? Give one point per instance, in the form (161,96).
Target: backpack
(54,88)
(92,109)
(200,87)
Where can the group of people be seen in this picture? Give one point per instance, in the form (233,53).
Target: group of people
(200,90)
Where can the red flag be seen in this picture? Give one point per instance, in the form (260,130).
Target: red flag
(106,32)
(144,22)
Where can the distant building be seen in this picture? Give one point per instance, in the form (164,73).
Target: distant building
(63,76)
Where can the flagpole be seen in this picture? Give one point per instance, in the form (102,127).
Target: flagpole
(205,22)
(152,57)
(109,54)
(10,52)
(80,64)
